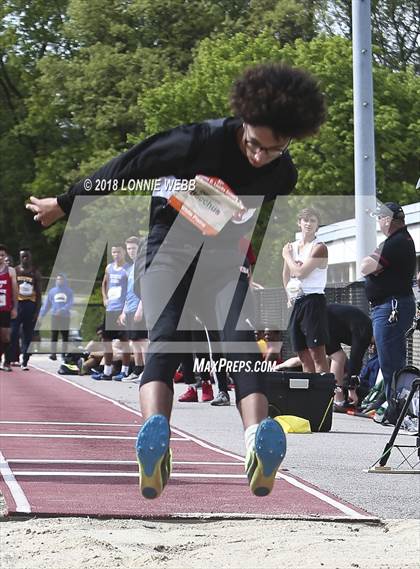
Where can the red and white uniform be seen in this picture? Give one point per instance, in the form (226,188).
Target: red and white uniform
(6,291)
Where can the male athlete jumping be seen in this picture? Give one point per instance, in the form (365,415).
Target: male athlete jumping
(272,104)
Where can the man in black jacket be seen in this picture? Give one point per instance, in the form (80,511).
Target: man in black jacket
(273,104)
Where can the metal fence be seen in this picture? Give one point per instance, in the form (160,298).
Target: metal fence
(272,313)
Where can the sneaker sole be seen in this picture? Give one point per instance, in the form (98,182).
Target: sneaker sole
(220,403)
(130,379)
(102,378)
(151,447)
(270,450)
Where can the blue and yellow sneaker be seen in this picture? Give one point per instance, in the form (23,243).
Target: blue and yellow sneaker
(263,460)
(154,456)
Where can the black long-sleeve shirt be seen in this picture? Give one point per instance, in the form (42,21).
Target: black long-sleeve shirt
(209,148)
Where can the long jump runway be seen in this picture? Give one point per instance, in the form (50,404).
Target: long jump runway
(65,450)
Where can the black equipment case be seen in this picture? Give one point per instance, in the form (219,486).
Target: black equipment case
(307,395)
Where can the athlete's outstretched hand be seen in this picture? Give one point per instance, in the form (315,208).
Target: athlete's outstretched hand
(46,210)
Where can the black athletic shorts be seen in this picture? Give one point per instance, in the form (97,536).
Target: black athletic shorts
(308,326)
(5,319)
(113,330)
(333,346)
(135,331)
(222,303)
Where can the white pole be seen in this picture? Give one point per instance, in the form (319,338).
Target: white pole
(364,134)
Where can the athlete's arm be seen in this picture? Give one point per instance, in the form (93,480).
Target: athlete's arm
(104,288)
(317,260)
(46,210)
(160,155)
(70,300)
(139,312)
(286,274)
(46,305)
(38,293)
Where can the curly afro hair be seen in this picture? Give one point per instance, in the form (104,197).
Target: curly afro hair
(286,99)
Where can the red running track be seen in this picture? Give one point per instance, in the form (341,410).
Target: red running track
(65,450)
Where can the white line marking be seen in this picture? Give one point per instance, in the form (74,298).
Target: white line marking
(62,424)
(87,474)
(288,479)
(109,462)
(342,507)
(115,432)
(318,494)
(22,504)
(42,436)
(104,397)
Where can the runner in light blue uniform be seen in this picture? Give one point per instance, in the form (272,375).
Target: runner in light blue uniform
(114,292)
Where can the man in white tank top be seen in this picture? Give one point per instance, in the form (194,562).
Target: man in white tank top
(304,278)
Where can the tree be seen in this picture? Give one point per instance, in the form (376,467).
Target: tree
(80,81)
(27,31)
(395,29)
(325,162)
(286,20)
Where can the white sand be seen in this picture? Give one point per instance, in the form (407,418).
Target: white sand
(74,543)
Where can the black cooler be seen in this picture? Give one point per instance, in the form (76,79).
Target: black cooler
(307,395)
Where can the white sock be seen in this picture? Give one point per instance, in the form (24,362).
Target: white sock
(124,369)
(107,369)
(250,436)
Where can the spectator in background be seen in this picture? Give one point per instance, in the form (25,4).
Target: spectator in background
(92,357)
(114,292)
(92,360)
(389,273)
(132,314)
(59,301)
(350,326)
(8,303)
(29,304)
(304,278)
(191,395)
(369,372)
(274,343)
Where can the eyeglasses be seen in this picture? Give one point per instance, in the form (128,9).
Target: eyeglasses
(255,147)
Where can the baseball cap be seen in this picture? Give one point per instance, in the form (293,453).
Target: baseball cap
(390,209)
